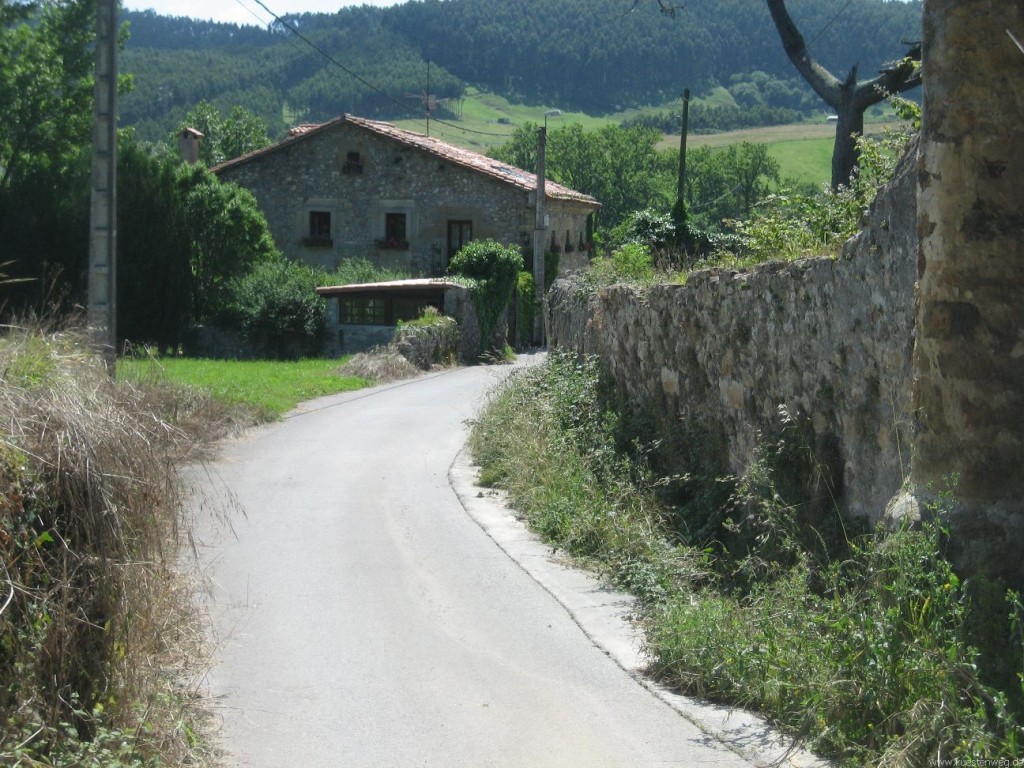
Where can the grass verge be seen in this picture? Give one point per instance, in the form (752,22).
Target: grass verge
(266,389)
(101,650)
(867,646)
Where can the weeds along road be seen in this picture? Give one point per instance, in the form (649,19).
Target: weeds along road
(365,621)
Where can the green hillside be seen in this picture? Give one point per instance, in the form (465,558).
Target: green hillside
(496,63)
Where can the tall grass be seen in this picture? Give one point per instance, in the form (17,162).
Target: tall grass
(100,651)
(868,646)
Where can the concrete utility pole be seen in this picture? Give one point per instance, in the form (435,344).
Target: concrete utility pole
(102,312)
(540,236)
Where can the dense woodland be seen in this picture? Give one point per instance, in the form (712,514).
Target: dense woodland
(598,56)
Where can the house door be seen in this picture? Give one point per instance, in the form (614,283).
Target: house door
(460,232)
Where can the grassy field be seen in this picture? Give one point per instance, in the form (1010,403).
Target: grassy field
(807,161)
(803,150)
(488,121)
(270,387)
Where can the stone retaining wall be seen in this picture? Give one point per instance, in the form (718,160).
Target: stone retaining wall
(830,339)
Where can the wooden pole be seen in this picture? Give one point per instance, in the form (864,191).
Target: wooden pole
(681,189)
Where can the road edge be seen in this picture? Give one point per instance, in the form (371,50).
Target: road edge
(604,614)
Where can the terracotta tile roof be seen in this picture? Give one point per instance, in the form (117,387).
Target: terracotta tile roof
(467,159)
(298,130)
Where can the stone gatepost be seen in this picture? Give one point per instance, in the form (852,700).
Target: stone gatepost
(969,354)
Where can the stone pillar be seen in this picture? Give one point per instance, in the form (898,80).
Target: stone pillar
(969,354)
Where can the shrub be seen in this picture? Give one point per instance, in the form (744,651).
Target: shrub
(354,271)
(490,270)
(647,227)
(278,310)
(630,263)
(526,308)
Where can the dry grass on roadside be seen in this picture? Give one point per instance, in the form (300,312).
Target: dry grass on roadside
(101,652)
(381,366)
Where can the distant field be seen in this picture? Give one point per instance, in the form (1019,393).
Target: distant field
(803,150)
(489,120)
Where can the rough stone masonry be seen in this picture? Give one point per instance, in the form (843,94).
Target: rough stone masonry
(830,339)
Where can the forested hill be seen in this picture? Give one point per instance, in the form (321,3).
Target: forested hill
(598,56)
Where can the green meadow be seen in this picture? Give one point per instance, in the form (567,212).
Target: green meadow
(269,387)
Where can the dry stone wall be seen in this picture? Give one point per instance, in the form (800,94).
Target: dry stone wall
(829,339)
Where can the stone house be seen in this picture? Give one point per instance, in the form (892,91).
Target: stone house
(356,188)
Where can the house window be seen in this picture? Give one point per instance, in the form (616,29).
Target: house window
(319,233)
(353,163)
(460,232)
(384,309)
(568,241)
(361,310)
(395,232)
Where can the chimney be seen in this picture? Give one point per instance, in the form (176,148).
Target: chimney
(188,144)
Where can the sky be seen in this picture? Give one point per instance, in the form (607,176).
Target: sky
(243,11)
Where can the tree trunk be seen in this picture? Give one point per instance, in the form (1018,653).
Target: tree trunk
(969,353)
(845,155)
(850,99)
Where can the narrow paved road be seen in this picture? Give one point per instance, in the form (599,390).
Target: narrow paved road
(367,622)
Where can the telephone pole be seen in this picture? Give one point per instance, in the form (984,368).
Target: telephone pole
(540,235)
(681,189)
(102,311)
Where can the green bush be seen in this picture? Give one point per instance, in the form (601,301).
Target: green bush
(490,270)
(278,310)
(354,271)
(629,263)
(792,224)
(646,227)
(527,307)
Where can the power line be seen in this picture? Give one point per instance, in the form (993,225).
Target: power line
(251,12)
(363,81)
(829,24)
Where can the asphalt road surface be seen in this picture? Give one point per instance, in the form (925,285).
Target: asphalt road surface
(365,621)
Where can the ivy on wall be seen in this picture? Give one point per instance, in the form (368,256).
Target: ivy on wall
(490,271)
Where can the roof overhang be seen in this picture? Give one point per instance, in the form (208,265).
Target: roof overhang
(415,287)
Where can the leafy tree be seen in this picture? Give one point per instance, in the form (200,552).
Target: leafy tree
(184,240)
(241,132)
(619,166)
(46,94)
(727,183)
(154,273)
(45,86)
(228,236)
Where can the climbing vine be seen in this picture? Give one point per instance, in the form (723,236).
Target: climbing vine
(490,271)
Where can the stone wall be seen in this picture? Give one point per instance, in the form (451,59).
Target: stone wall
(831,339)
